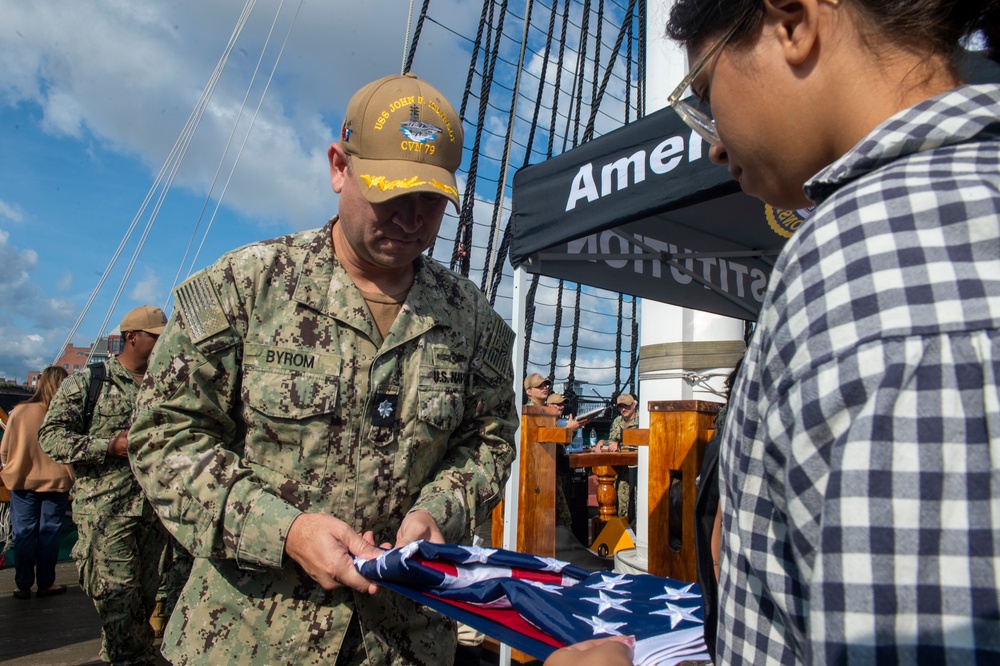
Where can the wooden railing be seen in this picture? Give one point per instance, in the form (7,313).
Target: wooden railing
(678,433)
(679,430)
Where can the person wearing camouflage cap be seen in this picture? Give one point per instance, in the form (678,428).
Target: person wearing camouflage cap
(316,394)
(119,537)
(627,419)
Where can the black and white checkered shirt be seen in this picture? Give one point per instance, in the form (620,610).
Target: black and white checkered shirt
(861,464)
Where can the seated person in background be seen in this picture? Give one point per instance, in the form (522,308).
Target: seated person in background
(562,420)
(627,419)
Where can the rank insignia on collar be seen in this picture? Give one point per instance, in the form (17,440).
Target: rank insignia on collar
(384,410)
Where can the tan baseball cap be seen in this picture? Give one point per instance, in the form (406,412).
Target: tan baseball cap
(403,136)
(625,399)
(144,318)
(533,380)
(555,399)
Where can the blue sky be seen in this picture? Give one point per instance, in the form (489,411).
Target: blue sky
(93,96)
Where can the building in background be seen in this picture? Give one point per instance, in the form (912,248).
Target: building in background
(74,359)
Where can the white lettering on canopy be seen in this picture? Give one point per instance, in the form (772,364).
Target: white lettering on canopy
(726,275)
(663,159)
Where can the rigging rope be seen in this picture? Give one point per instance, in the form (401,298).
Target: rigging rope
(176,153)
(557,325)
(246,137)
(225,152)
(641,62)
(486,51)
(529,320)
(635,338)
(508,229)
(407,53)
(416,35)
(588,133)
(628,74)
(594,102)
(466,217)
(571,377)
(492,258)
(618,343)
(581,71)
(460,248)
(559,70)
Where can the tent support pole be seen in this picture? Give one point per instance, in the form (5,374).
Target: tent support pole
(511,491)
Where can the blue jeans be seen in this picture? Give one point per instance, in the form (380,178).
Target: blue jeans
(37,519)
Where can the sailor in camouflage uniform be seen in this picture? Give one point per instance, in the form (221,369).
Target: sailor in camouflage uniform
(326,385)
(120,539)
(627,419)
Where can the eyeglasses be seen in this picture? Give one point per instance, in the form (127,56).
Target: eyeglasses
(700,120)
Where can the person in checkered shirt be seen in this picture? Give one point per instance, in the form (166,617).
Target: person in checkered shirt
(860,471)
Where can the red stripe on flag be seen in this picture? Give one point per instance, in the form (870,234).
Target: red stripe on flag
(506,617)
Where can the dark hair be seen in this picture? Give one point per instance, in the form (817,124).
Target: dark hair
(938,26)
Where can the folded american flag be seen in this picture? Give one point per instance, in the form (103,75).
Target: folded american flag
(537,604)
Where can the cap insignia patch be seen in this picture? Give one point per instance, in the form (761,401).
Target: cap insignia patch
(418,131)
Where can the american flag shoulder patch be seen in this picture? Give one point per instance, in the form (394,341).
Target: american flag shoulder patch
(200,307)
(498,350)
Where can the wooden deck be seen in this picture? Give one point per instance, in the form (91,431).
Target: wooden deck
(55,631)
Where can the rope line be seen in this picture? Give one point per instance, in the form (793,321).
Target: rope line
(416,36)
(177,152)
(493,260)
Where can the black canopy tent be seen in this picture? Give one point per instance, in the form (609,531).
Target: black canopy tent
(642,210)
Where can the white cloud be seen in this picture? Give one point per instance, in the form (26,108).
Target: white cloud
(119,78)
(147,291)
(131,79)
(30,323)
(11,212)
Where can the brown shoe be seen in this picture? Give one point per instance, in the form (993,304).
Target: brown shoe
(22,594)
(52,591)
(158,620)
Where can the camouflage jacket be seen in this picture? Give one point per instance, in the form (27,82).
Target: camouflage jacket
(619,425)
(271,392)
(104,484)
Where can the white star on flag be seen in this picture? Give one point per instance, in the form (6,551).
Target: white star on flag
(676,614)
(385,409)
(552,564)
(606,601)
(601,627)
(676,594)
(479,554)
(557,589)
(609,582)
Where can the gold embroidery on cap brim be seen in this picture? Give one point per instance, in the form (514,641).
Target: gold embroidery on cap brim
(381,183)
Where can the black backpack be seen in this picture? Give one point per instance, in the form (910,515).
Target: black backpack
(97,374)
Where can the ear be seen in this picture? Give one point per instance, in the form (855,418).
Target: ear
(796,24)
(338,167)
